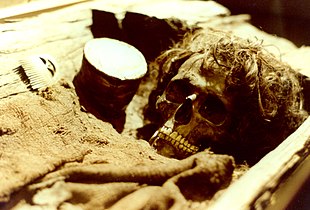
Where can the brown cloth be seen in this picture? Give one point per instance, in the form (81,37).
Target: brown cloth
(54,155)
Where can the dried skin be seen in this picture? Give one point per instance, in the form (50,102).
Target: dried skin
(263,94)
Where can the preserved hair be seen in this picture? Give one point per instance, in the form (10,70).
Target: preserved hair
(266,92)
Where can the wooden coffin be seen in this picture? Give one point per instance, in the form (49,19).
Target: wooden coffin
(62,28)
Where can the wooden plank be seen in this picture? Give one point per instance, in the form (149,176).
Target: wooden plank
(293,191)
(35,7)
(63,34)
(10,82)
(256,187)
(11,3)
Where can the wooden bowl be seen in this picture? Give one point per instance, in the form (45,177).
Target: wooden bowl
(108,79)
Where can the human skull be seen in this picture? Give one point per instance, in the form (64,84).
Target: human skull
(225,93)
(195,108)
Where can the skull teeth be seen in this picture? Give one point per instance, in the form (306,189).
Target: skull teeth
(176,140)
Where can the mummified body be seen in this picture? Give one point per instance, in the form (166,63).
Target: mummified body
(219,92)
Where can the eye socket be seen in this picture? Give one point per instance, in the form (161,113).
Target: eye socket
(213,109)
(178,90)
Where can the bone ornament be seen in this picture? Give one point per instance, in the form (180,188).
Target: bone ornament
(108,79)
(38,71)
(220,92)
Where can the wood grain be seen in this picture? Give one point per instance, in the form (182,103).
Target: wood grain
(256,187)
(63,34)
(35,7)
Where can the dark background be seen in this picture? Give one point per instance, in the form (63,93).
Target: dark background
(285,18)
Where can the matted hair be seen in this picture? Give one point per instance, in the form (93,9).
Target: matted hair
(266,92)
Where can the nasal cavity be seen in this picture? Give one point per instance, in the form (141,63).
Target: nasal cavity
(184,112)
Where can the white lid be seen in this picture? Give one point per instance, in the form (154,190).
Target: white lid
(115,58)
